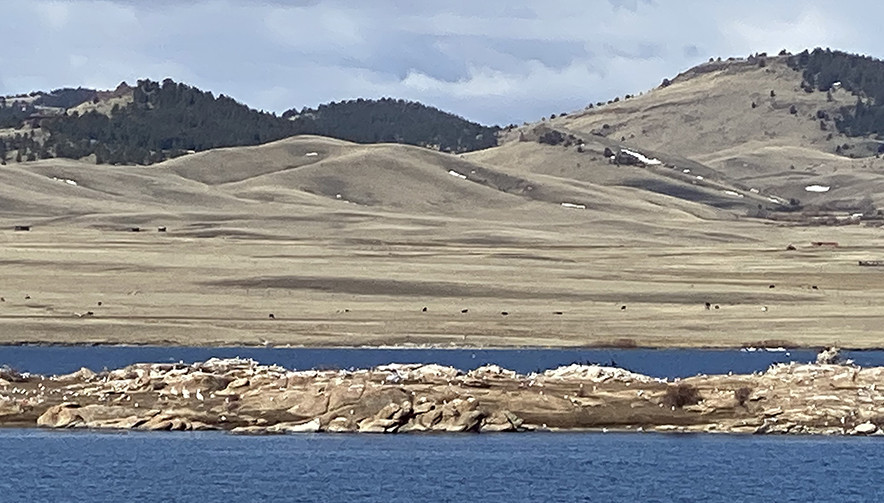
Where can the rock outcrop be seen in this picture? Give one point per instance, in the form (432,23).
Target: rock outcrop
(242,396)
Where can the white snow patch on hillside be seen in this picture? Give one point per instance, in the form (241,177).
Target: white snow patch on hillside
(817,188)
(643,158)
(65,180)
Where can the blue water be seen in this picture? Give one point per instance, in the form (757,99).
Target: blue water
(658,363)
(51,466)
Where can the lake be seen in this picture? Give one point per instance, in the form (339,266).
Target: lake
(51,466)
(655,362)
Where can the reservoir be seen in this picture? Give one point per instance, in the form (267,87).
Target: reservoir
(50,466)
(663,363)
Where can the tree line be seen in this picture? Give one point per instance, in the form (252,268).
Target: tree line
(861,75)
(168,119)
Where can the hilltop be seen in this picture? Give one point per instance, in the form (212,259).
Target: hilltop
(778,130)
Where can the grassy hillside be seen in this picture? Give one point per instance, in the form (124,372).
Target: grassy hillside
(746,126)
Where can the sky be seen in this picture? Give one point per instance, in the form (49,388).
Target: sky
(495,62)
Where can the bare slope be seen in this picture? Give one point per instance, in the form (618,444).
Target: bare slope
(745,127)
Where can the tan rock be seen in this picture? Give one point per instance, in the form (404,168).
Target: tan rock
(867,428)
(83,374)
(340,425)
(312,404)
(311,426)
(65,415)
(238,383)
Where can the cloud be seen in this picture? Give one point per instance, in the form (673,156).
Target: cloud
(494,61)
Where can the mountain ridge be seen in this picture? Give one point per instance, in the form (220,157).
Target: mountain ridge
(154,121)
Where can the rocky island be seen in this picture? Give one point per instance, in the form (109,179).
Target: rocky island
(242,396)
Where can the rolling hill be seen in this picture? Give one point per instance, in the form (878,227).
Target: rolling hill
(690,215)
(750,126)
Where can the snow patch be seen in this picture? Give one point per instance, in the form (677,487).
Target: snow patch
(575,206)
(817,188)
(642,158)
(732,193)
(754,191)
(65,180)
(686,170)
(698,177)
(311,154)
(455,173)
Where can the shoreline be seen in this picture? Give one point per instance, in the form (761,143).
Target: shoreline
(451,347)
(242,396)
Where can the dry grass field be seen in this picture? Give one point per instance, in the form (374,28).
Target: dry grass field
(346,244)
(370,288)
(243,245)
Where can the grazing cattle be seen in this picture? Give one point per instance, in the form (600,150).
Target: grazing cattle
(424,310)
(504,313)
(22,228)
(623,308)
(27,297)
(464,311)
(99,303)
(161,229)
(772,286)
(814,287)
(708,305)
(272,317)
(558,313)
(716,306)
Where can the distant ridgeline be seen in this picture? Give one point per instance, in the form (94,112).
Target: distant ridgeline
(861,75)
(394,121)
(164,120)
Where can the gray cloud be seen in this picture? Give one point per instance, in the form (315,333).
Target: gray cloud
(496,62)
